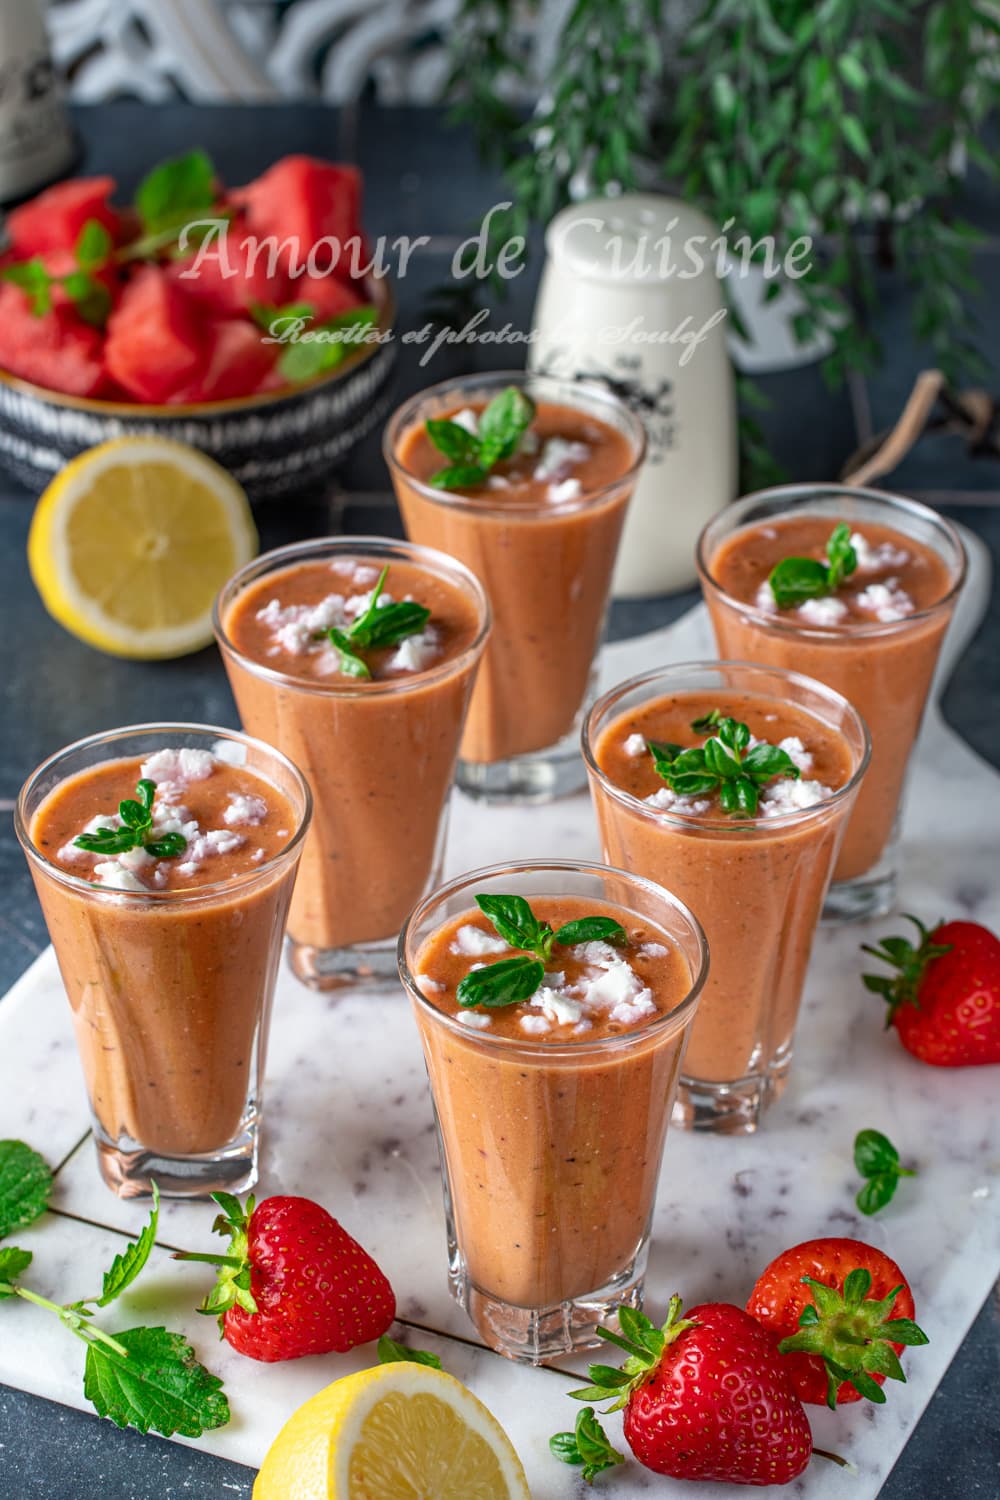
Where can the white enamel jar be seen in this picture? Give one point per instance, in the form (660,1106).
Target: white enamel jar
(623,302)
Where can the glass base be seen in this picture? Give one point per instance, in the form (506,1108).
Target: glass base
(860,900)
(329,969)
(729,1108)
(537,1335)
(130,1169)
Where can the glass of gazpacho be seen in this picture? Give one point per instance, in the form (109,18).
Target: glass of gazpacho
(731,785)
(554,1001)
(164,857)
(356,656)
(855,588)
(526,479)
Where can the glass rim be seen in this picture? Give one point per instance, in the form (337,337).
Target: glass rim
(620,1041)
(691,822)
(792,493)
(189,894)
(364,546)
(404,415)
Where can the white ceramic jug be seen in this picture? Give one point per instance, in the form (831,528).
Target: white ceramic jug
(623,301)
(36,141)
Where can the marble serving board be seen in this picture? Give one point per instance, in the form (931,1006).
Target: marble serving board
(348,1120)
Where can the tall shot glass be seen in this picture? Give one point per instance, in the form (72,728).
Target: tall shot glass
(551,1151)
(756,885)
(170,990)
(379,757)
(884,668)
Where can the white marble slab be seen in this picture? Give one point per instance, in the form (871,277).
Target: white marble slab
(359,1138)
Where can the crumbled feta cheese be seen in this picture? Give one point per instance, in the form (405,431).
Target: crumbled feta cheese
(529,441)
(176,769)
(230,752)
(476,1020)
(497,482)
(826,611)
(473,941)
(416,653)
(665,800)
(535,1025)
(102,820)
(468,419)
(635,745)
(788,795)
(136,860)
(764,597)
(299,629)
(556,1005)
(886,601)
(557,458)
(429,986)
(257,856)
(565,490)
(244,811)
(361,574)
(796,752)
(205,845)
(112,874)
(358,603)
(871,559)
(653,950)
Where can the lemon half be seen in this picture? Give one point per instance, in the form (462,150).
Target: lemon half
(131,542)
(396,1432)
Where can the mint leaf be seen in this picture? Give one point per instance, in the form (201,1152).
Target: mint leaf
(507,982)
(35,282)
(389,1352)
(501,426)
(459,477)
(25,1185)
(126,1267)
(587,1447)
(137,832)
(265,315)
(707,721)
(842,556)
(176,191)
(877,1159)
(306,358)
(159,1386)
(12,1262)
(453,440)
(796,579)
(93,247)
(591,930)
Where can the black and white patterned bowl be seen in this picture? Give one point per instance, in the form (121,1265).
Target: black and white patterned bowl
(276,445)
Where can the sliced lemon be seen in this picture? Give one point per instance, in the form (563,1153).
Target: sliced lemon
(131,542)
(397,1432)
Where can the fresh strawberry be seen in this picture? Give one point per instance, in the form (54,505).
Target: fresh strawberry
(706,1397)
(945,999)
(293,1281)
(842,1312)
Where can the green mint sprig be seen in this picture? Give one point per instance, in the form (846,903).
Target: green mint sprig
(136,830)
(722,764)
(588,1446)
(510,981)
(378,626)
(83,287)
(315,350)
(390,1353)
(796,579)
(877,1160)
(167,199)
(502,425)
(147,1378)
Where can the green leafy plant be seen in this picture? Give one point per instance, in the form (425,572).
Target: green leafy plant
(82,286)
(377,626)
(795,579)
(136,831)
(502,424)
(877,1161)
(510,981)
(786,117)
(727,763)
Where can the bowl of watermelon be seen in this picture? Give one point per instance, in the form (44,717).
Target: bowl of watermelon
(239,320)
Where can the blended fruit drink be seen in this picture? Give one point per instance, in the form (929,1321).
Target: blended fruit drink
(554,1001)
(731,785)
(526,480)
(164,858)
(356,656)
(856,589)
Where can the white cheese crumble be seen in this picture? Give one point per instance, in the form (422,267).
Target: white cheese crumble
(764,598)
(886,601)
(429,986)
(871,559)
(476,1020)
(826,611)
(244,811)
(416,653)
(230,752)
(564,491)
(468,419)
(474,942)
(298,629)
(653,950)
(635,745)
(665,800)
(791,795)
(535,1025)
(173,770)
(557,458)
(205,845)
(796,752)
(116,877)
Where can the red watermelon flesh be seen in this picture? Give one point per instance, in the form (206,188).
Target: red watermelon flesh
(53,220)
(153,345)
(327,296)
(225,295)
(303,200)
(237,362)
(57,351)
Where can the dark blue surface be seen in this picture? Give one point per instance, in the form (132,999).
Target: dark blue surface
(422,178)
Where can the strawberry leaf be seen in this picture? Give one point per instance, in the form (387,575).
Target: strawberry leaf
(25,1185)
(156,1385)
(125,1267)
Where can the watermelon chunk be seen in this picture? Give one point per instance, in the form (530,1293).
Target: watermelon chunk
(326,295)
(236,363)
(304,200)
(224,295)
(153,346)
(53,220)
(57,351)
